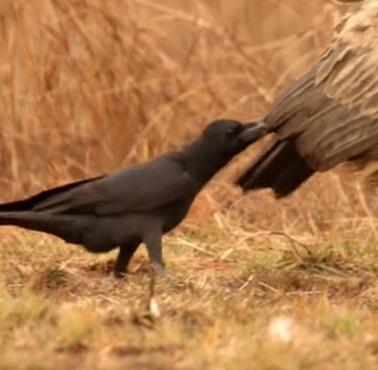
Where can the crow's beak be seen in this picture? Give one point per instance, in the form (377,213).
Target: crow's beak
(253,131)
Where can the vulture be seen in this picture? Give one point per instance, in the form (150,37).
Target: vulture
(329,115)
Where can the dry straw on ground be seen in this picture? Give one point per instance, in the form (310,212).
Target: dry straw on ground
(87,86)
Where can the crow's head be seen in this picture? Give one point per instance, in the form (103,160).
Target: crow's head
(231,137)
(220,141)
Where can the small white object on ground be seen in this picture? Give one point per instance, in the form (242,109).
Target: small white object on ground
(280,329)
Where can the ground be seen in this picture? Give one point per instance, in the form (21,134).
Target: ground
(230,300)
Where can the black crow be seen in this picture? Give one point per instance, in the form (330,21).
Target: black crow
(137,204)
(329,115)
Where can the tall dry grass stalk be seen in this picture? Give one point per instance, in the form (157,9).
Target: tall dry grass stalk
(89,85)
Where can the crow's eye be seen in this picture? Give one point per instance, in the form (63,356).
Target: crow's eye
(232,130)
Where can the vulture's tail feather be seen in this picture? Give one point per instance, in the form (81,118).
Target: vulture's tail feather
(280,168)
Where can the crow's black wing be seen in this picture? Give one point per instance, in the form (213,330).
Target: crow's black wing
(29,203)
(140,188)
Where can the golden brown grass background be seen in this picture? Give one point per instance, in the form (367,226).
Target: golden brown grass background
(87,86)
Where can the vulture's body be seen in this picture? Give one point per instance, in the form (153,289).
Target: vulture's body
(329,115)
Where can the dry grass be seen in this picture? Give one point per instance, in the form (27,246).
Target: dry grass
(87,86)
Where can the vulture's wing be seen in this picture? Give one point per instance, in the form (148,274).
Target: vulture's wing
(333,108)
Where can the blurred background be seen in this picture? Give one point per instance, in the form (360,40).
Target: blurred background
(87,86)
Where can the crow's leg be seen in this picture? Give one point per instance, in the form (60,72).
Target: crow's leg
(154,247)
(124,256)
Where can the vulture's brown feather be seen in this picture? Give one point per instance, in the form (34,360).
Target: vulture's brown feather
(330,114)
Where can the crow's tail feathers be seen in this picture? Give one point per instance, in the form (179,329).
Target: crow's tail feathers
(280,168)
(62,226)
